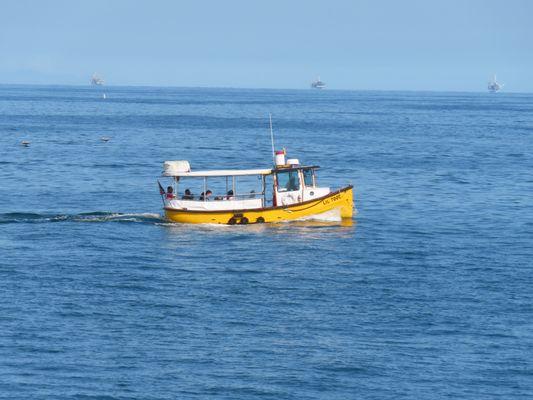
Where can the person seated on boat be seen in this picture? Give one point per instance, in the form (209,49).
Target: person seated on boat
(170,193)
(229,195)
(252,194)
(292,184)
(187,195)
(206,195)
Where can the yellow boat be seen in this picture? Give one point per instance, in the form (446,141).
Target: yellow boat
(289,191)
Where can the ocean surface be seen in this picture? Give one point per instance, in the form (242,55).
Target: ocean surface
(426,294)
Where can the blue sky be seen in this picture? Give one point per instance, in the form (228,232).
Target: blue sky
(373,44)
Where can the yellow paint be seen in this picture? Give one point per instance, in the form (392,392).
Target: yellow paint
(342,199)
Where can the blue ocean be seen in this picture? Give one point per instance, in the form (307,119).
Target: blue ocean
(426,294)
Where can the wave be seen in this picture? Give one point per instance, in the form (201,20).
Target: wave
(97,216)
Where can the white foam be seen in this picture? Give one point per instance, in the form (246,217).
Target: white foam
(333,215)
(130,217)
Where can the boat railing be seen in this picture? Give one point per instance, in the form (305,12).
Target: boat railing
(224,197)
(214,205)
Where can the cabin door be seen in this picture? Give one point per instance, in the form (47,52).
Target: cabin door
(288,187)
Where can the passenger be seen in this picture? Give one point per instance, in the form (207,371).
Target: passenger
(187,195)
(230,195)
(292,184)
(170,193)
(206,196)
(252,194)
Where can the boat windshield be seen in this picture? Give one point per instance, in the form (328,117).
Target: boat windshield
(288,181)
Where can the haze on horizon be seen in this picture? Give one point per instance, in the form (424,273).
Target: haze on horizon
(447,45)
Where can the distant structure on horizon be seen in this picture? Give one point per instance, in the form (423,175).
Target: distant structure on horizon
(96,80)
(494,86)
(318,84)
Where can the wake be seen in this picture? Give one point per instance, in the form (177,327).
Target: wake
(98,216)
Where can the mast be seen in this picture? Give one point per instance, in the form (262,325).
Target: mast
(272,139)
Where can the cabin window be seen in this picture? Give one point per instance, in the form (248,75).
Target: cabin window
(308,177)
(288,181)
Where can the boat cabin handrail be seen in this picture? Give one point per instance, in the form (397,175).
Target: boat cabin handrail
(222,197)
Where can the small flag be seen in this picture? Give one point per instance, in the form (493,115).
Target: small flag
(161,189)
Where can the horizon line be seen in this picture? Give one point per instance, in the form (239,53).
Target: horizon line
(256,88)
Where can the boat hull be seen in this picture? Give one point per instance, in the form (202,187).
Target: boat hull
(341,200)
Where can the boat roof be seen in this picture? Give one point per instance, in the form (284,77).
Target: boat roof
(239,172)
(285,167)
(225,172)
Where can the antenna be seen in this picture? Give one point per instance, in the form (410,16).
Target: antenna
(272,138)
